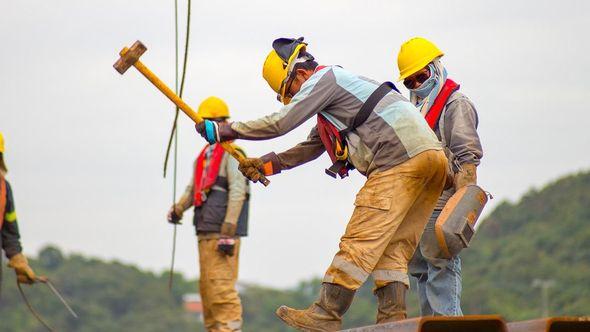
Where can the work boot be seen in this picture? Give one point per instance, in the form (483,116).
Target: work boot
(391,300)
(323,315)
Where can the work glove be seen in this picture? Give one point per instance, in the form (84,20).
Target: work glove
(226,246)
(467,175)
(175,214)
(24,273)
(215,132)
(450,180)
(252,168)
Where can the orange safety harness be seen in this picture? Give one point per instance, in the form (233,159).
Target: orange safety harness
(206,175)
(439,103)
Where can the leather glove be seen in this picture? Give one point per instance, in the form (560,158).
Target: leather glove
(450,181)
(175,214)
(226,246)
(467,175)
(214,132)
(24,273)
(251,168)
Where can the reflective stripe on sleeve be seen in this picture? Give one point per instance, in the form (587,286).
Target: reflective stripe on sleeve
(10,216)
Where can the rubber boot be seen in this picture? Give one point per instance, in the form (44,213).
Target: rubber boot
(325,314)
(391,300)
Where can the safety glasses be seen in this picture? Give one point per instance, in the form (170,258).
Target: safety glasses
(412,81)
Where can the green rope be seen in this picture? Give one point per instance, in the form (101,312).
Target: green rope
(174,131)
(186,43)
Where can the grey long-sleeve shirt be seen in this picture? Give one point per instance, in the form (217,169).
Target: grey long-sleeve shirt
(394,132)
(460,123)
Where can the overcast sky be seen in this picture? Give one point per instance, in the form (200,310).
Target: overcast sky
(85,146)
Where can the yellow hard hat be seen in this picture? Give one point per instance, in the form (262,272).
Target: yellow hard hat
(212,108)
(280,62)
(414,55)
(1,143)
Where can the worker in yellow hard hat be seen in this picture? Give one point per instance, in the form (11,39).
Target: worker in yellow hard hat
(10,236)
(454,119)
(219,194)
(363,125)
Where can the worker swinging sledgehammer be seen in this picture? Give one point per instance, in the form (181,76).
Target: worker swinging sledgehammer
(220,195)
(453,117)
(10,239)
(362,125)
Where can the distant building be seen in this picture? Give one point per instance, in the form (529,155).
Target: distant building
(193,305)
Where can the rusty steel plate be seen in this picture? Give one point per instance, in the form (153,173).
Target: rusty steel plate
(480,323)
(552,324)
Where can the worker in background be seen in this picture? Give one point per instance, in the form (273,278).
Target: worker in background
(362,125)
(10,239)
(220,196)
(454,119)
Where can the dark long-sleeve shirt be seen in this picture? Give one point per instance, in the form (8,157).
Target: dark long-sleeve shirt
(10,239)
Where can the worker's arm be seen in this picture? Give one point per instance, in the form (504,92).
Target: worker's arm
(11,242)
(273,163)
(461,135)
(187,198)
(300,154)
(314,96)
(184,203)
(10,234)
(237,191)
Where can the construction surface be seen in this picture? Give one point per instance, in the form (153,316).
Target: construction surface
(481,323)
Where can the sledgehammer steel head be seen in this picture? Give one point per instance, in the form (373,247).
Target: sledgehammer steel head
(129,56)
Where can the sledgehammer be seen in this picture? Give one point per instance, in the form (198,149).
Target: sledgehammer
(130,57)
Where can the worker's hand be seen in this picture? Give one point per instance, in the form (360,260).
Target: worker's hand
(215,132)
(24,273)
(251,168)
(175,214)
(228,230)
(226,246)
(450,181)
(466,175)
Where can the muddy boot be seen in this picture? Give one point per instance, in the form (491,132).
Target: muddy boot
(325,314)
(391,302)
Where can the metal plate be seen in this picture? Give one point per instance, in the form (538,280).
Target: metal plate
(552,324)
(480,323)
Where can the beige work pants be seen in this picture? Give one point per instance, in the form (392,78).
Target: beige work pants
(222,308)
(390,213)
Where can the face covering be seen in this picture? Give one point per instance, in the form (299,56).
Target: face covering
(424,96)
(427,86)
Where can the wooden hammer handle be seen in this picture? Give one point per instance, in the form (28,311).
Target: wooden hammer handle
(186,109)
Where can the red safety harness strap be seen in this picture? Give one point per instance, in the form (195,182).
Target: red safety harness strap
(439,103)
(205,178)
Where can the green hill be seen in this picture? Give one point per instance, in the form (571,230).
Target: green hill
(544,236)
(106,296)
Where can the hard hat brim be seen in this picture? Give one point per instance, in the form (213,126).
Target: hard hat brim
(416,67)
